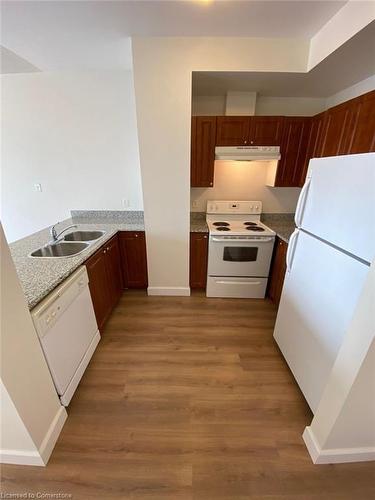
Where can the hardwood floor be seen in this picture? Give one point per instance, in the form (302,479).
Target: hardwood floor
(189,398)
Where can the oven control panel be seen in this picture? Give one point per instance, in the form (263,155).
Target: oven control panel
(234,207)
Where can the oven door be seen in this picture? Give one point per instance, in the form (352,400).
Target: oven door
(240,256)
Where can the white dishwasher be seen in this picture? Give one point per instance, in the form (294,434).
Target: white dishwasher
(68,332)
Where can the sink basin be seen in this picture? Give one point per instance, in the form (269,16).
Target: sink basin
(60,249)
(84,235)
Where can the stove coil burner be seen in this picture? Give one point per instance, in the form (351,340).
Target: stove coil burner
(223,228)
(250,223)
(221,223)
(255,228)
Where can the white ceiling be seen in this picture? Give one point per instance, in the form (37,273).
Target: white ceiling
(60,35)
(351,63)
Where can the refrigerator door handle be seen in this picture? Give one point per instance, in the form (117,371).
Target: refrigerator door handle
(290,250)
(301,202)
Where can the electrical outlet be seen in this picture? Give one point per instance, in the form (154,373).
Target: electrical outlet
(126,203)
(194,204)
(38,187)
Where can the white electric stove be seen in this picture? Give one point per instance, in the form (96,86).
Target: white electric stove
(240,249)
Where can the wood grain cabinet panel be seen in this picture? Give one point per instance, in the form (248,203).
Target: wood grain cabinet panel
(232,130)
(266,130)
(114,269)
(203,137)
(278,270)
(198,260)
(104,271)
(363,137)
(134,259)
(343,129)
(293,150)
(314,143)
(337,130)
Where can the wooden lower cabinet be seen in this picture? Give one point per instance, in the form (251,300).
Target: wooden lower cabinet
(104,270)
(277,272)
(120,263)
(134,259)
(114,269)
(198,260)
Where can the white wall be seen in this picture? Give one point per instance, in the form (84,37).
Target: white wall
(343,427)
(349,93)
(348,21)
(163,78)
(13,433)
(266,106)
(289,106)
(355,426)
(208,105)
(75,133)
(25,375)
(244,181)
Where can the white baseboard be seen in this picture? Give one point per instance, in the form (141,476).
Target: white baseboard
(21,457)
(335,455)
(52,434)
(178,291)
(41,457)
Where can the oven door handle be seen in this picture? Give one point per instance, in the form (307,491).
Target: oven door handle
(248,240)
(245,283)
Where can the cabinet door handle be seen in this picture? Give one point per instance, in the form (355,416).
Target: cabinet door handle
(136,235)
(107,248)
(105,251)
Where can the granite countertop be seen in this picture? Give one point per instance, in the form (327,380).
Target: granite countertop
(198,222)
(282,224)
(39,276)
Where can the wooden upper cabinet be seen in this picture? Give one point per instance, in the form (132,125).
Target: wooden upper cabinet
(265,130)
(314,143)
(249,130)
(344,129)
(293,150)
(338,129)
(134,259)
(232,130)
(363,137)
(314,147)
(203,137)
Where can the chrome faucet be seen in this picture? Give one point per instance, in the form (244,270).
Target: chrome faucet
(55,235)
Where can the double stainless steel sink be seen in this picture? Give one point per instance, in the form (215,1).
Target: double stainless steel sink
(72,244)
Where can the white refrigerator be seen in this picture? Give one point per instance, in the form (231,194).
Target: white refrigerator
(328,259)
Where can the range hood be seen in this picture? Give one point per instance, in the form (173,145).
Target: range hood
(247,153)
